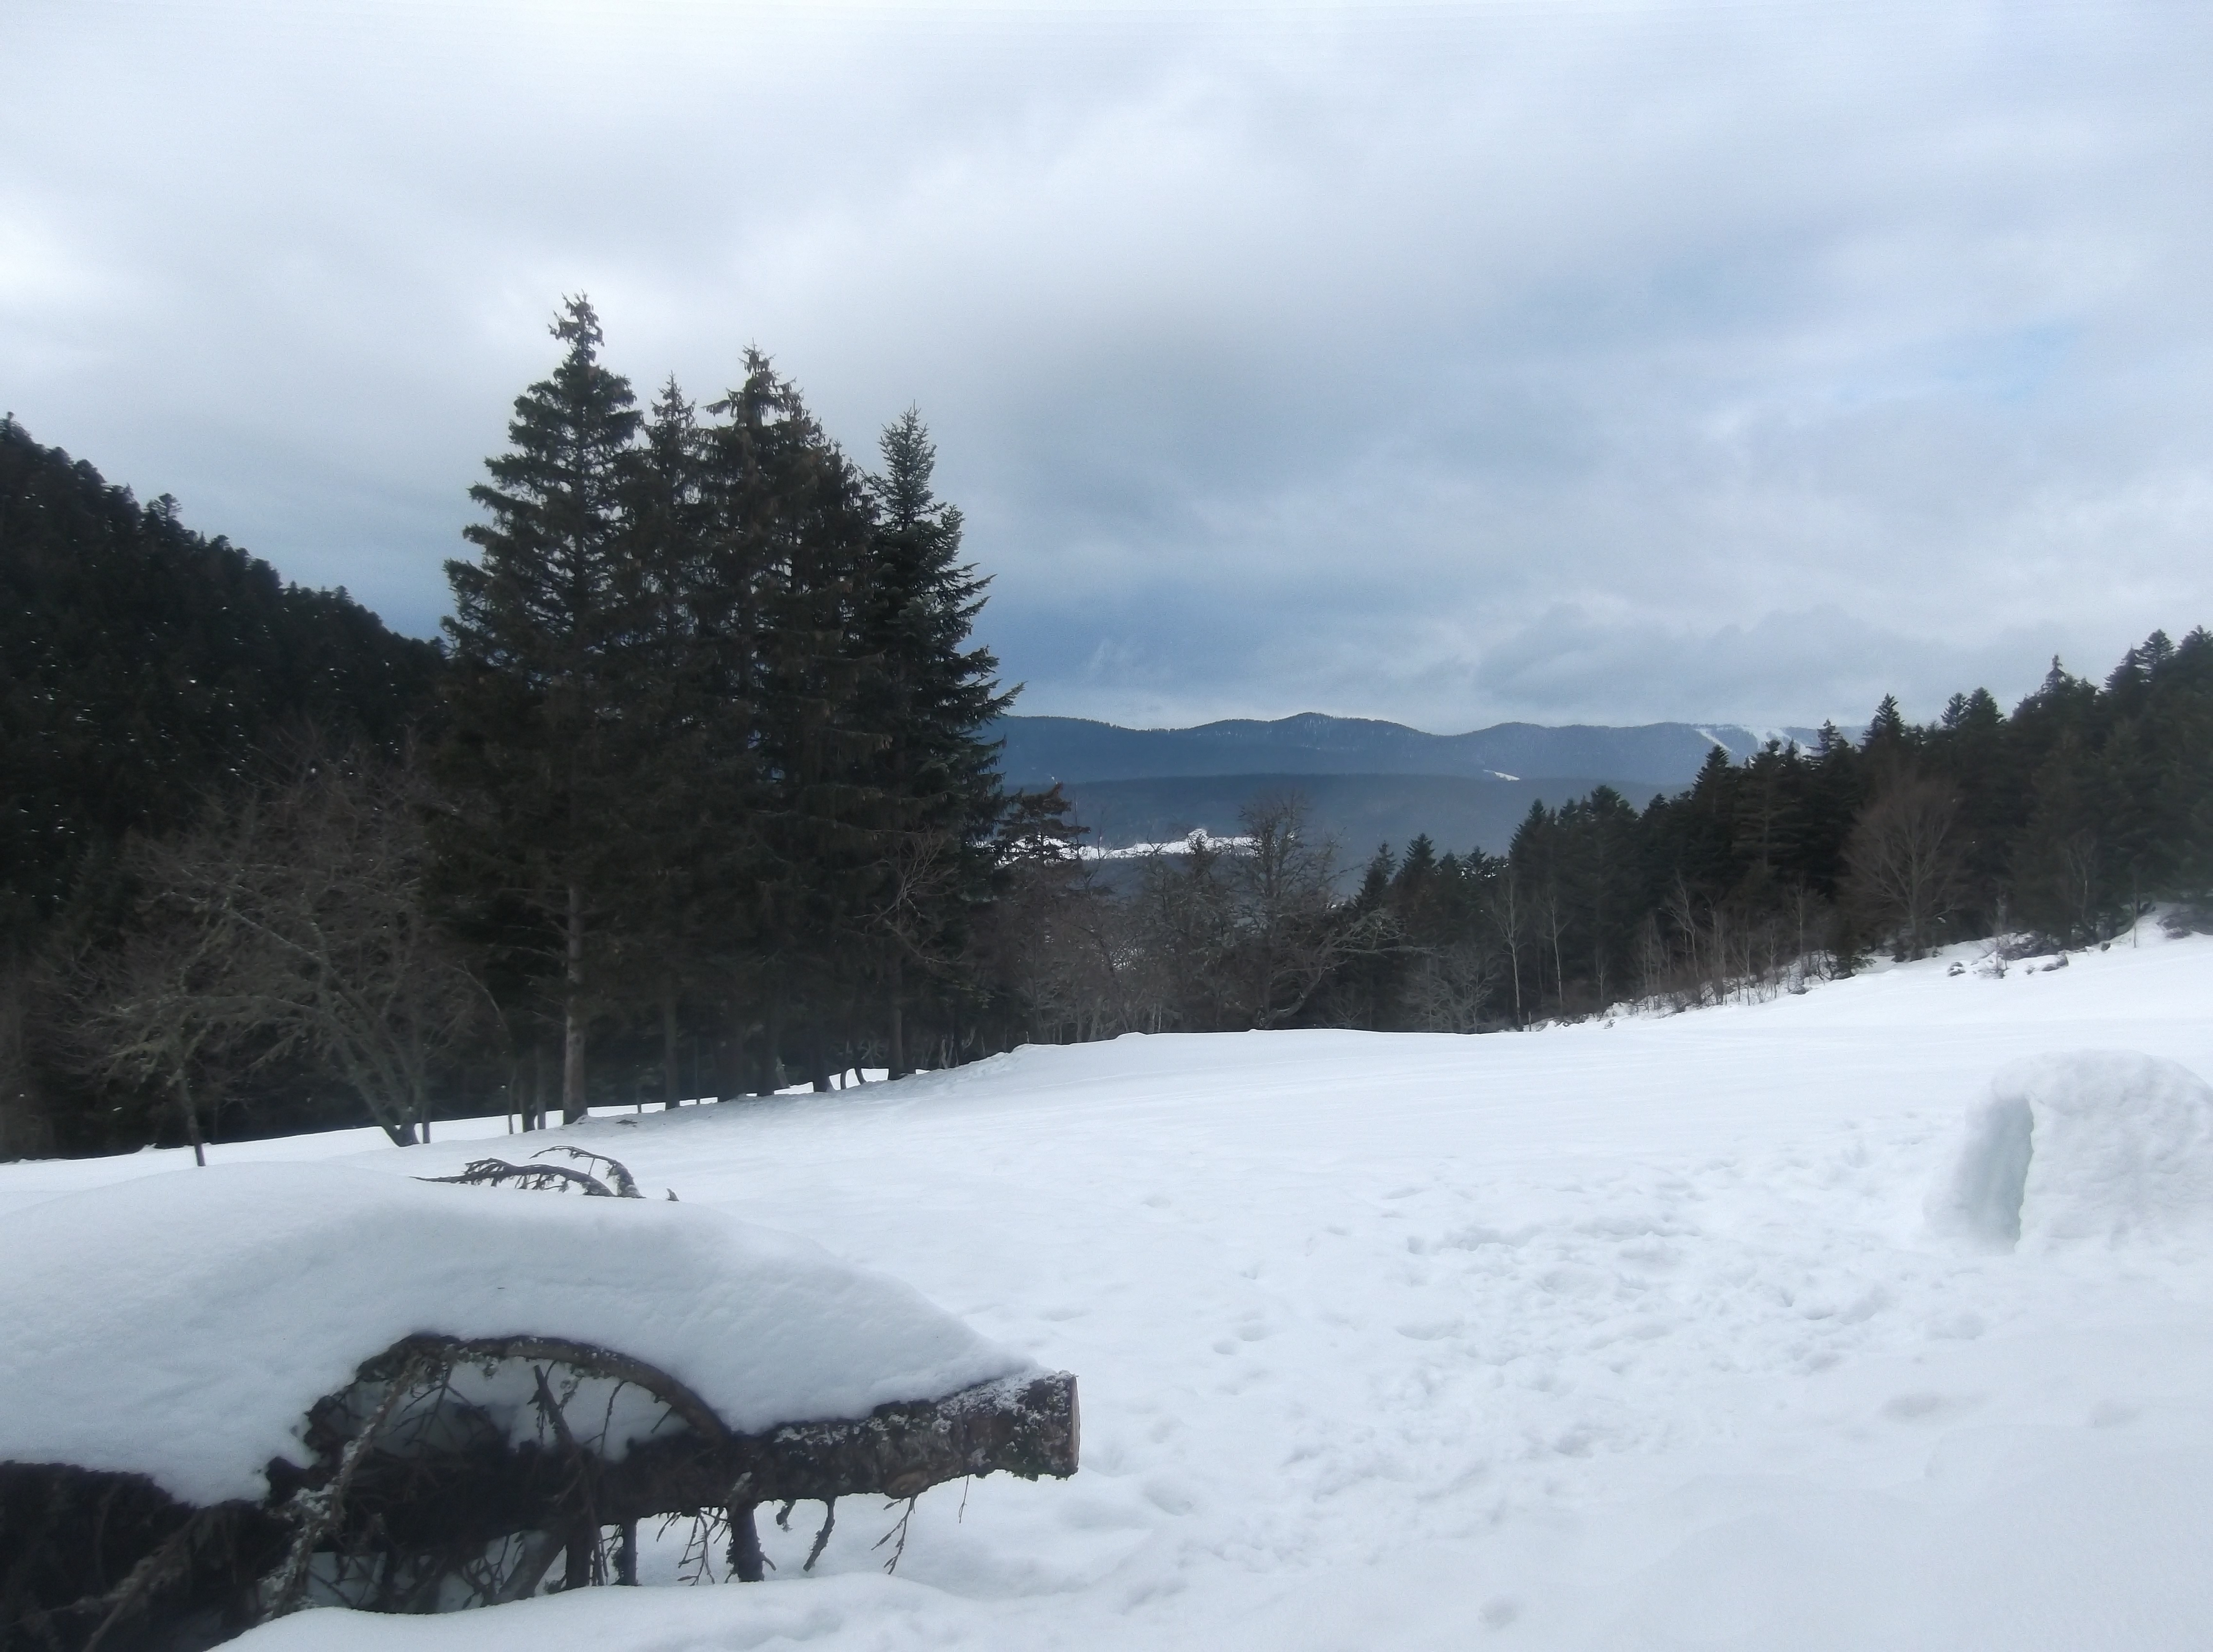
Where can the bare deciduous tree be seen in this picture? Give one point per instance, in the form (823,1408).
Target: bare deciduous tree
(1289,933)
(1450,985)
(290,925)
(159,1011)
(1903,861)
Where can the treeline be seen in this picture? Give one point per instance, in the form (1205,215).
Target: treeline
(2054,826)
(695,800)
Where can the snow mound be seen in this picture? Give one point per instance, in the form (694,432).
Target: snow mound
(2083,1147)
(181,1326)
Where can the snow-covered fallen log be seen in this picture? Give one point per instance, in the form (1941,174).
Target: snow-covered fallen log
(191,1439)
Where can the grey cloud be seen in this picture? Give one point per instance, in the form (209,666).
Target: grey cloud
(1609,362)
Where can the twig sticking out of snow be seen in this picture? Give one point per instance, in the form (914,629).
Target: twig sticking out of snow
(709,1527)
(897,1531)
(618,1172)
(822,1536)
(550,1178)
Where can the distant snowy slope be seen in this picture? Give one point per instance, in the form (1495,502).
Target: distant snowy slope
(1625,1336)
(1456,812)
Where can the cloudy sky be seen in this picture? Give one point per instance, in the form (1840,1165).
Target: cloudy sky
(1563,360)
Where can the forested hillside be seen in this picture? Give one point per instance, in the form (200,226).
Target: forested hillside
(141,663)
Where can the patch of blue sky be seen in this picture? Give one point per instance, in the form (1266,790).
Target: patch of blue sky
(2010,367)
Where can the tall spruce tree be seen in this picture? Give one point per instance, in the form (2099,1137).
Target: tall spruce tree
(543,746)
(928,699)
(785,559)
(685,917)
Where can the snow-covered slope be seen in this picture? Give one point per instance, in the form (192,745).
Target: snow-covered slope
(1627,1336)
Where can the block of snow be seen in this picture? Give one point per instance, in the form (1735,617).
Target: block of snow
(2084,1147)
(181,1326)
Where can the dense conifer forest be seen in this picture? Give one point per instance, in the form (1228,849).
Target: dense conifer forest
(142,665)
(695,799)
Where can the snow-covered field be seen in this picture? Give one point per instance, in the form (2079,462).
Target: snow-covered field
(1627,1336)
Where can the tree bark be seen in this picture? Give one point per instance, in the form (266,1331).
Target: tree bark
(191,1120)
(583,1543)
(1027,1426)
(573,1106)
(91,1533)
(745,1544)
(897,1053)
(772,1073)
(668,1073)
(533,1114)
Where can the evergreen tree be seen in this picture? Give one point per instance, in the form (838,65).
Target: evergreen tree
(778,604)
(1888,741)
(927,698)
(690,806)
(544,745)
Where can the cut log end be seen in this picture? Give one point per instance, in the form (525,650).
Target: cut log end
(1028,1426)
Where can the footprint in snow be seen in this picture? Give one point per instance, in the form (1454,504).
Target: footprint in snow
(1923,1408)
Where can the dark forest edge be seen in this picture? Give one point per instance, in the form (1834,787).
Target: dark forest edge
(699,800)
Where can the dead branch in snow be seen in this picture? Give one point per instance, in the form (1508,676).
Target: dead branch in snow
(554,1178)
(618,1172)
(421,1494)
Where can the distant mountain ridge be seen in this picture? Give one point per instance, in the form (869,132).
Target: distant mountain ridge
(1076,750)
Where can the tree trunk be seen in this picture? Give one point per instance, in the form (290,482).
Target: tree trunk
(1027,1425)
(896,1058)
(534,1105)
(584,1548)
(745,1544)
(668,1042)
(626,1556)
(191,1120)
(573,1106)
(772,1053)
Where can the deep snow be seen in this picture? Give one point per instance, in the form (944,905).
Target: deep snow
(1636,1335)
(182,1324)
